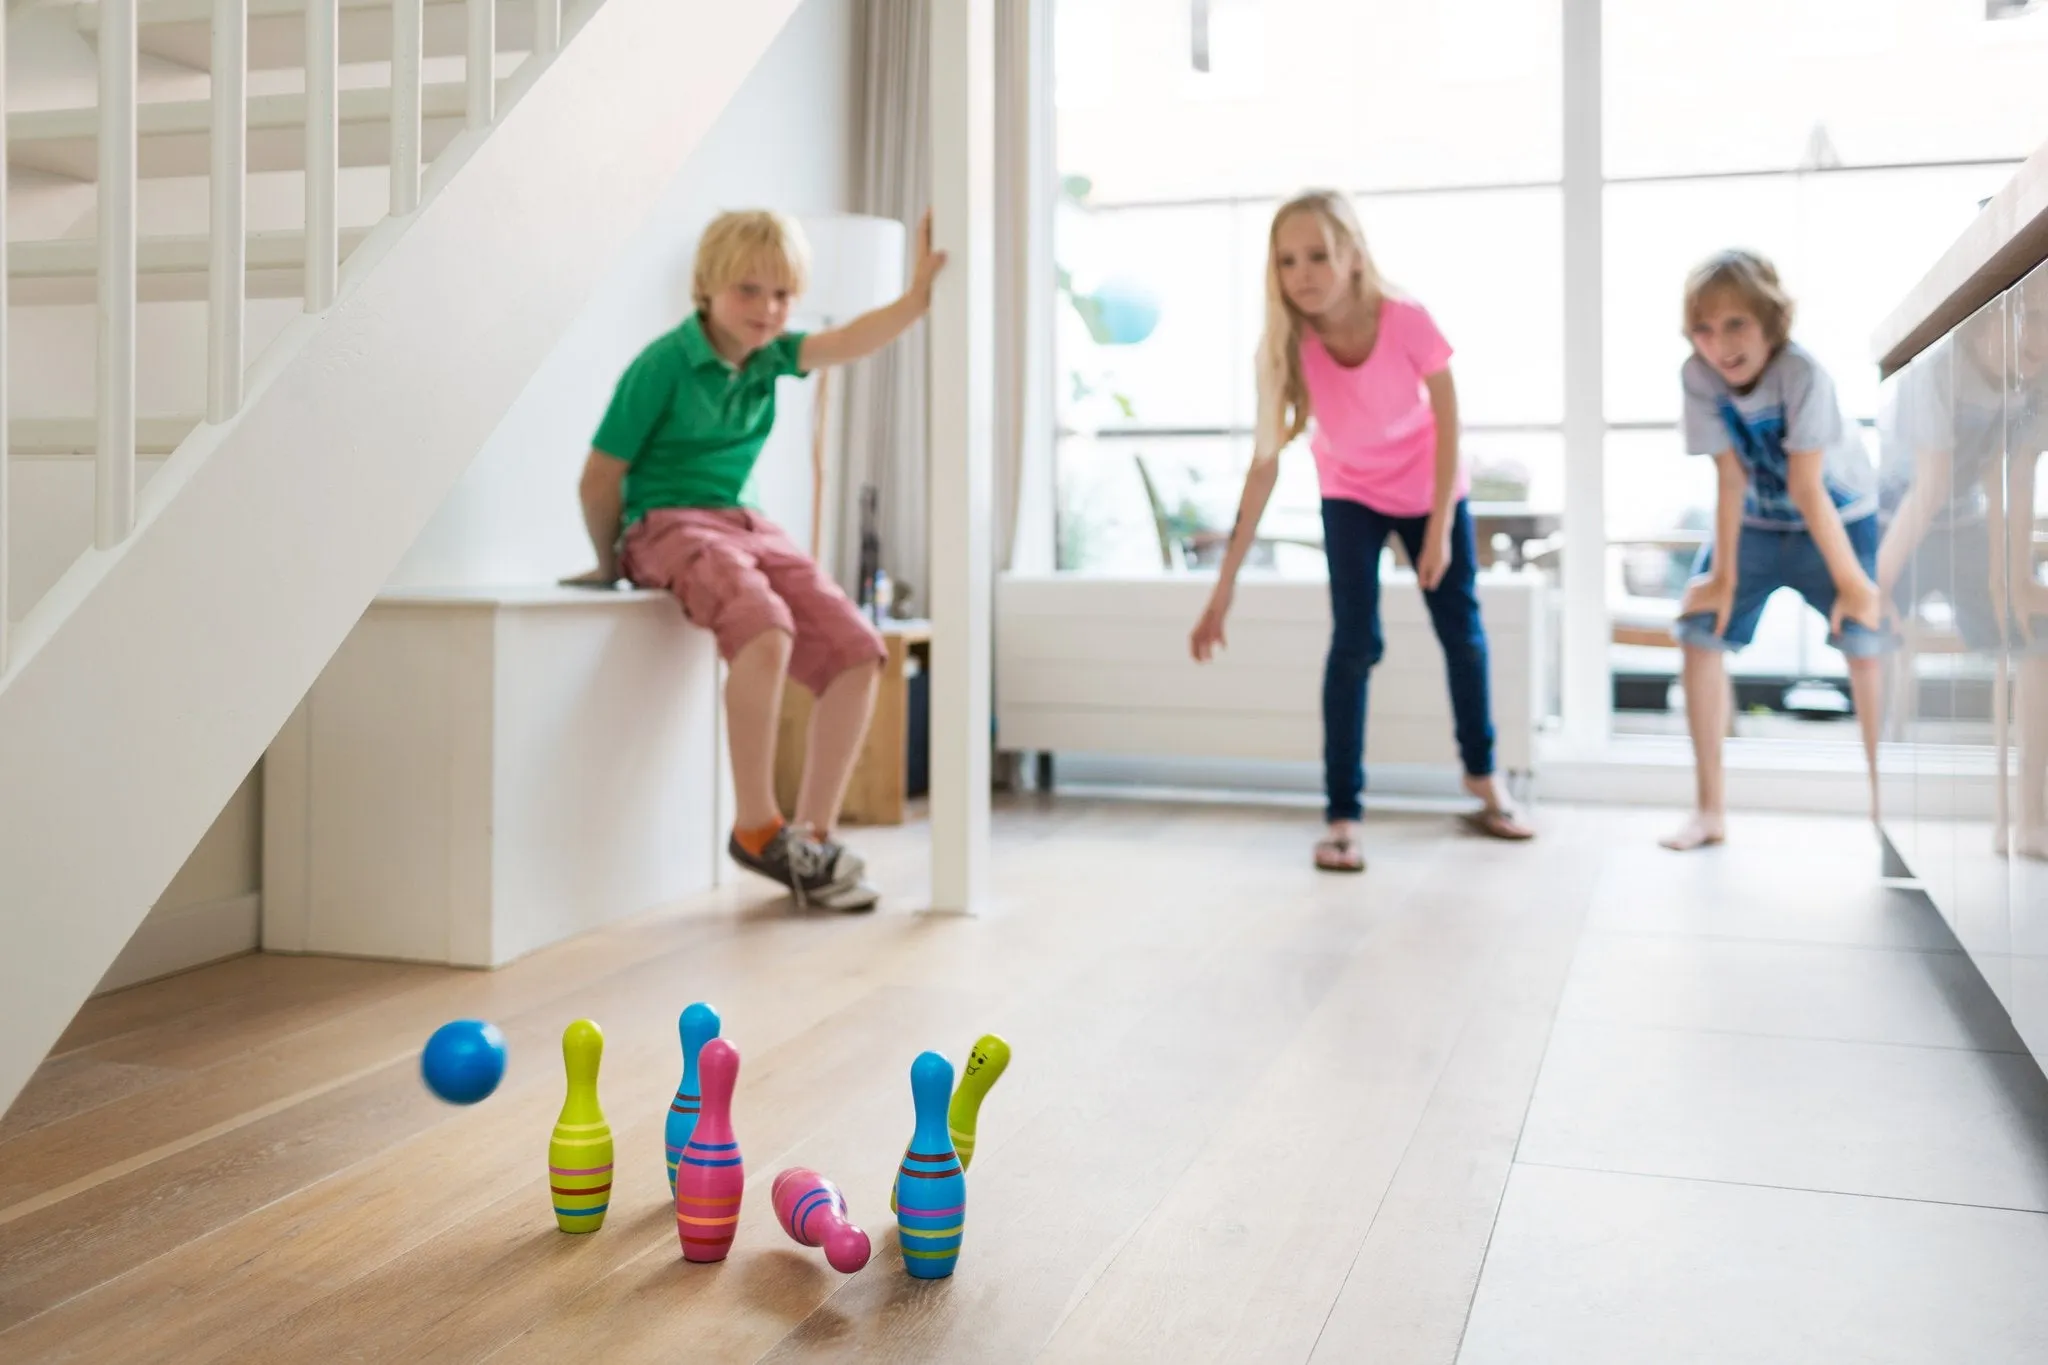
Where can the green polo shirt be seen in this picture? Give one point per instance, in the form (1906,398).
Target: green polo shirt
(689,424)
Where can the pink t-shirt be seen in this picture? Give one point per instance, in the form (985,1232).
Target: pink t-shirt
(1374,436)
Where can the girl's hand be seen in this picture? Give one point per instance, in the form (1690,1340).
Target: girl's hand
(1208,634)
(1436,555)
(599,577)
(929,262)
(1711,593)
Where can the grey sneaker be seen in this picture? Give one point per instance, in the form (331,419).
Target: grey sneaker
(792,858)
(849,897)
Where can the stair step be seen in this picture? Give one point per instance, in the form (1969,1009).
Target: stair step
(179,30)
(64,270)
(173,135)
(64,437)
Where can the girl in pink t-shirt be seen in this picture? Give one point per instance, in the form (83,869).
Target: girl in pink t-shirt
(1372,370)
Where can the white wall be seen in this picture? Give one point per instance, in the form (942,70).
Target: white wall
(785,142)
(513,518)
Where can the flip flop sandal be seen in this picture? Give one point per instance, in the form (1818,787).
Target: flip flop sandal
(1497,824)
(1339,855)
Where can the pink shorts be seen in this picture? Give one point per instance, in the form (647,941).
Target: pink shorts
(737,574)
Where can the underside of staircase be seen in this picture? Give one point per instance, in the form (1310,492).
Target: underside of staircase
(142,687)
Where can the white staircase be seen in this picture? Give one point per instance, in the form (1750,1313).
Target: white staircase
(228,558)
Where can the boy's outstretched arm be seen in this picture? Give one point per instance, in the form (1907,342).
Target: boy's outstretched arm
(870,332)
(602,492)
(1856,597)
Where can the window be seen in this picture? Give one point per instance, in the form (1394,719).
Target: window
(1850,140)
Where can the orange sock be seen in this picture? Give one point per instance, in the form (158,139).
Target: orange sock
(755,841)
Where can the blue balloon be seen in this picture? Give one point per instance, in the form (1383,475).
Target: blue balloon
(464,1061)
(1126,311)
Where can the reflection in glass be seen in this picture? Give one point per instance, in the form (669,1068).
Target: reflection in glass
(1943,473)
(2024,748)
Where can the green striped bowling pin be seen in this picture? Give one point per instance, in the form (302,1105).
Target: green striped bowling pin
(580,1152)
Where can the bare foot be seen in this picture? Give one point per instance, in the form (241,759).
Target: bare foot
(1701,831)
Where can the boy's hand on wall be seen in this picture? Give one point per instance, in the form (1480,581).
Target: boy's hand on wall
(929,262)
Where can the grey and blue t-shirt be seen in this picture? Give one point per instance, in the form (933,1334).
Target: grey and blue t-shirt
(1792,406)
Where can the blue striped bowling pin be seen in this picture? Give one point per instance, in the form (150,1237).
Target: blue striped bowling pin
(931,1192)
(698,1025)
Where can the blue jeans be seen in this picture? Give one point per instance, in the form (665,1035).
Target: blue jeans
(1353,535)
(1766,561)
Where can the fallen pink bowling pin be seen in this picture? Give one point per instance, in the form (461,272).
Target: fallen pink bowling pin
(813,1212)
(711,1177)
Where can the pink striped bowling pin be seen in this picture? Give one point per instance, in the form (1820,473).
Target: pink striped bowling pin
(813,1212)
(711,1176)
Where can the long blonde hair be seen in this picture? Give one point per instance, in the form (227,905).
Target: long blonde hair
(1283,393)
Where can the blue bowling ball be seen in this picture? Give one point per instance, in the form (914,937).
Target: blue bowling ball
(464,1061)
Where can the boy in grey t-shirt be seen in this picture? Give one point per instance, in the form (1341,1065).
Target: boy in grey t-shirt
(1797,509)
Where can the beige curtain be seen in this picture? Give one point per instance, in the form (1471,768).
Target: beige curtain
(886,399)
(1024,285)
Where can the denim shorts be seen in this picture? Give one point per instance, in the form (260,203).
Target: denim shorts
(1770,560)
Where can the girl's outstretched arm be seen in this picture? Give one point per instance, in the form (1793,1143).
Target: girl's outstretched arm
(1258,491)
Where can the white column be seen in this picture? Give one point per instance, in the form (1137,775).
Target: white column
(480,69)
(962,397)
(114,501)
(1588,686)
(1032,550)
(228,223)
(407,41)
(323,151)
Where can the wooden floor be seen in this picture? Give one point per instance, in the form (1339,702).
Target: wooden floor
(1254,1114)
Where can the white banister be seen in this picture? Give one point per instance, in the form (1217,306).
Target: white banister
(323,151)
(547,26)
(480,68)
(114,502)
(229,220)
(6,475)
(407,17)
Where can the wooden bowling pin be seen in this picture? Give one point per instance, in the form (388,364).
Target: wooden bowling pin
(931,1192)
(580,1152)
(813,1212)
(986,1062)
(698,1025)
(711,1177)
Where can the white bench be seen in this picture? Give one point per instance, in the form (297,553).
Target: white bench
(1100,665)
(480,772)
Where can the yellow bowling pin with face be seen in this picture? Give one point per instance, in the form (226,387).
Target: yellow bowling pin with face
(580,1152)
(986,1062)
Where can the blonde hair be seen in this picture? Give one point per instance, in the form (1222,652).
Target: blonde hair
(1751,279)
(1283,393)
(737,243)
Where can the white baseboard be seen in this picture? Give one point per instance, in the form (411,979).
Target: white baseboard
(191,936)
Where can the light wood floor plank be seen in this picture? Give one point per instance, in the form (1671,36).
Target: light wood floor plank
(1255,1112)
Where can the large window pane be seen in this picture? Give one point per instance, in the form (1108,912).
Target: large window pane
(1735,85)
(1372,93)
(1149,332)
(1848,246)
(1152,504)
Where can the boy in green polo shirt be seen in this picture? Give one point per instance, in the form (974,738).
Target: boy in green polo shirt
(661,495)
